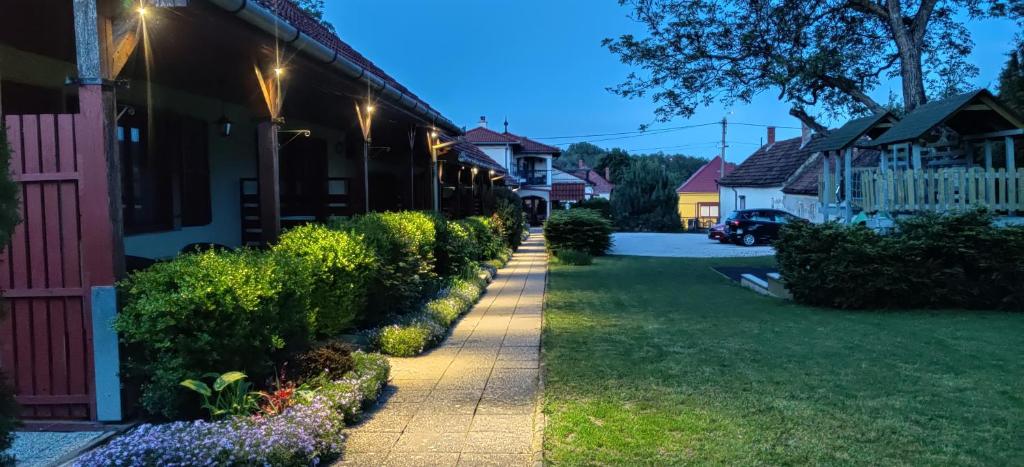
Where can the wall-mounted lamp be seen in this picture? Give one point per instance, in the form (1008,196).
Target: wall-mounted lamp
(225,125)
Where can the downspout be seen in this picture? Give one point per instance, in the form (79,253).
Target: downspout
(257,15)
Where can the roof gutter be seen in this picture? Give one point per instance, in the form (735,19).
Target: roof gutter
(257,15)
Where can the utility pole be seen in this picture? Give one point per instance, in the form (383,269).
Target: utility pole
(725,124)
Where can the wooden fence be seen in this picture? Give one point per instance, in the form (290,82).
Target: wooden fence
(939,190)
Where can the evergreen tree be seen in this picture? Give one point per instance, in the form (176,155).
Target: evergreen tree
(645,198)
(8,219)
(1011,79)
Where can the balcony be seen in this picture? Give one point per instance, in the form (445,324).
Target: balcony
(530,177)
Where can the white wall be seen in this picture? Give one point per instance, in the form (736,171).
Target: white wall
(762,197)
(501,154)
(803,205)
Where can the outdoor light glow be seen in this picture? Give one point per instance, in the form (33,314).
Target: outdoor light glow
(142,11)
(279,71)
(369,108)
(433,134)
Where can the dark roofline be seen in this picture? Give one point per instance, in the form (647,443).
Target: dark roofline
(850,133)
(905,130)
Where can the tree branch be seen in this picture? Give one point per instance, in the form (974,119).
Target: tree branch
(808,120)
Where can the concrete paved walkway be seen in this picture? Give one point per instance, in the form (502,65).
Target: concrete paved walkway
(472,400)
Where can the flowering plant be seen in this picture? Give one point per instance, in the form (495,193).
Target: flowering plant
(234,396)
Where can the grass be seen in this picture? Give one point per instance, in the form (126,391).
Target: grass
(654,361)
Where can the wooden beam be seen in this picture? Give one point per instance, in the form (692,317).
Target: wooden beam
(125,41)
(269,185)
(995,134)
(998,108)
(848,183)
(1011,171)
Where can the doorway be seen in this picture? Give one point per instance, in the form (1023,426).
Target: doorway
(536,209)
(303,180)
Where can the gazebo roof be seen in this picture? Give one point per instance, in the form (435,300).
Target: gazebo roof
(847,135)
(975,112)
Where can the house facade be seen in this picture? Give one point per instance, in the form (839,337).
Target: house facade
(759,180)
(600,183)
(528,162)
(140,132)
(699,206)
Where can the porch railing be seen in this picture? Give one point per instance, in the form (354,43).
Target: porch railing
(947,189)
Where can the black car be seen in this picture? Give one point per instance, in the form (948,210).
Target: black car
(717,232)
(748,227)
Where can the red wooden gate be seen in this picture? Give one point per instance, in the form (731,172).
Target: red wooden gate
(46,335)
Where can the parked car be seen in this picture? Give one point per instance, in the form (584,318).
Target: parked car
(748,227)
(717,232)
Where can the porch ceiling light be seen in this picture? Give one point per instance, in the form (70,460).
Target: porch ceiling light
(369,109)
(225,124)
(279,71)
(141,10)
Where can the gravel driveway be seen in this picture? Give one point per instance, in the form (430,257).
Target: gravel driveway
(681,245)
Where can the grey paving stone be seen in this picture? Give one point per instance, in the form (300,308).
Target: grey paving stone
(472,459)
(423,441)
(420,459)
(498,442)
(440,423)
(359,441)
(502,423)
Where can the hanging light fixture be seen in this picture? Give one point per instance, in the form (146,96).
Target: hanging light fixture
(225,124)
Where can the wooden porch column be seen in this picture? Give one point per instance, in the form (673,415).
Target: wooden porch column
(848,183)
(269,186)
(1011,171)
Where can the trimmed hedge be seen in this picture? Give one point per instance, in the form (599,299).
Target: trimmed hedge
(583,230)
(455,249)
(508,219)
(329,271)
(409,338)
(932,261)
(486,239)
(600,205)
(405,242)
(204,312)
(575,258)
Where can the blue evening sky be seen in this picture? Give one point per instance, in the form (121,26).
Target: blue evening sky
(541,64)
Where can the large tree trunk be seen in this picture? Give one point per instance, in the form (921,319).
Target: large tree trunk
(911,76)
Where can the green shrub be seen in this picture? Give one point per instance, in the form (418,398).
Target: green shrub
(410,338)
(330,272)
(332,360)
(201,313)
(405,243)
(931,261)
(8,416)
(466,290)
(578,229)
(486,239)
(455,249)
(575,257)
(508,219)
(600,205)
(446,310)
(371,370)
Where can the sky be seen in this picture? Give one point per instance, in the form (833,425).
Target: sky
(540,64)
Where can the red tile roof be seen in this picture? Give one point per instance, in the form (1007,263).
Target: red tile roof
(568,191)
(705,179)
(292,14)
(601,186)
(770,165)
(469,153)
(482,135)
(806,182)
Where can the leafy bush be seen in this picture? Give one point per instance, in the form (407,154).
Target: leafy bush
(575,257)
(329,272)
(231,394)
(409,338)
(444,311)
(8,417)
(455,249)
(600,205)
(508,219)
(486,239)
(932,261)
(405,244)
(331,360)
(578,229)
(200,313)
(466,290)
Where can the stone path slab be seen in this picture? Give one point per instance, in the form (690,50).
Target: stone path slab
(472,400)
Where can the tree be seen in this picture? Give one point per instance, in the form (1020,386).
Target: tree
(828,53)
(645,198)
(1011,79)
(590,153)
(616,161)
(8,220)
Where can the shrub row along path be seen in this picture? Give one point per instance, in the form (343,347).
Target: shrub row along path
(472,400)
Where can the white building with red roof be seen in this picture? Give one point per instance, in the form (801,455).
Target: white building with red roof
(528,163)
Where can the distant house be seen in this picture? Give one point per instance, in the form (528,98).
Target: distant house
(801,195)
(528,163)
(758,181)
(698,195)
(601,185)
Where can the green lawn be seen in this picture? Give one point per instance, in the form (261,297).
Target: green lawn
(663,361)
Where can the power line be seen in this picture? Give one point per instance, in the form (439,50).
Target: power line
(680,146)
(766,126)
(634,132)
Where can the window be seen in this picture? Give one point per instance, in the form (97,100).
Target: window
(707,210)
(743,202)
(165,177)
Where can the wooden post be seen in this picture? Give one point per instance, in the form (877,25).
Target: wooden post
(412,167)
(366,176)
(1011,170)
(825,185)
(269,186)
(915,151)
(848,183)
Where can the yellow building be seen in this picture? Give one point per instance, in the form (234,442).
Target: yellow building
(698,195)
